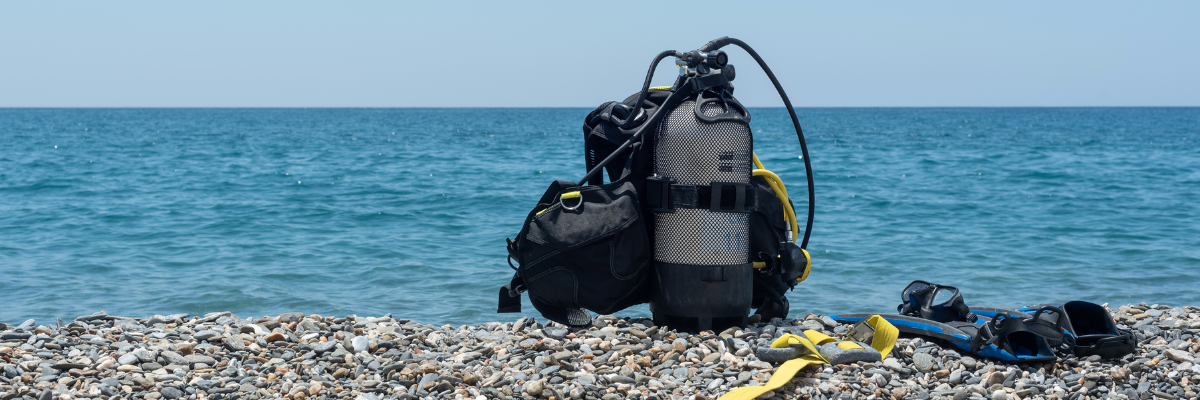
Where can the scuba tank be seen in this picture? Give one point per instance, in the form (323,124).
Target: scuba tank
(716,228)
(700,195)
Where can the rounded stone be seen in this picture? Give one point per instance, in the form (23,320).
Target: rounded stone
(127,359)
(360,343)
(205,335)
(923,362)
(534,388)
(171,393)
(555,332)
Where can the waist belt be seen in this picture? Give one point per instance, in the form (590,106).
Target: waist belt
(663,196)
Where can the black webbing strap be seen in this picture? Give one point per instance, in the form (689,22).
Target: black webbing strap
(996,331)
(510,302)
(510,295)
(663,196)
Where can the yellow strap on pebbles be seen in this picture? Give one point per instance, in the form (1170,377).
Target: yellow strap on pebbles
(883,341)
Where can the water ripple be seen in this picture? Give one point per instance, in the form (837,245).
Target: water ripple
(370,211)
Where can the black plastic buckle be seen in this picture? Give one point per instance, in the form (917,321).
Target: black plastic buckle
(862,332)
(658,194)
(510,299)
(705,82)
(722,192)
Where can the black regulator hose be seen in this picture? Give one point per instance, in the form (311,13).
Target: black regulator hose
(710,46)
(630,119)
(812,197)
(646,87)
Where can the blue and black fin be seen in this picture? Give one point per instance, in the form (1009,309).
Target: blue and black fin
(1088,325)
(1015,343)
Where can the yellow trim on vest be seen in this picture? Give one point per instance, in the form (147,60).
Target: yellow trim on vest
(567,195)
(539,213)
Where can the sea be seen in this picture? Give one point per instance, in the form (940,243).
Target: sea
(138,212)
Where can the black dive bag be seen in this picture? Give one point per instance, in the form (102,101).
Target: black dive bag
(581,248)
(683,225)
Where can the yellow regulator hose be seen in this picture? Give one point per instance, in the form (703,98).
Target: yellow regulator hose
(789,214)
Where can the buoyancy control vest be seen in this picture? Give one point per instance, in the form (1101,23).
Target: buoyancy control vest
(690,221)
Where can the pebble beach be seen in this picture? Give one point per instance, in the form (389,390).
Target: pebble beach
(297,356)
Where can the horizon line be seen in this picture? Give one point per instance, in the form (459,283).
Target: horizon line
(529,107)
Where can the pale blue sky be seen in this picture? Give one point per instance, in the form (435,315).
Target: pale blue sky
(467,54)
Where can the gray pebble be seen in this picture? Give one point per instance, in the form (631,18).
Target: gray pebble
(680,373)
(14,336)
(205,335)
(360,344)
(324,347)
(290,317)
(814,325)
(199,359)
(924,362)
(144,355)
(516,359)
(555,332)
(174,358)
(127,359)
(171,392)
(534,388)
(428,381)
(879,380)
(621,379)
(1178,355)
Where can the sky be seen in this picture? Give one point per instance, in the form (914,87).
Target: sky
(579,54)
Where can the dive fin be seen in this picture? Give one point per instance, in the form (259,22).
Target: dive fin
(1017,346)
(1088,325)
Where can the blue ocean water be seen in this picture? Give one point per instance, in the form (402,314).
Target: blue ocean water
(371,211)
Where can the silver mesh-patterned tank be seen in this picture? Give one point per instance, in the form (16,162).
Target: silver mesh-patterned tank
(693,152)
